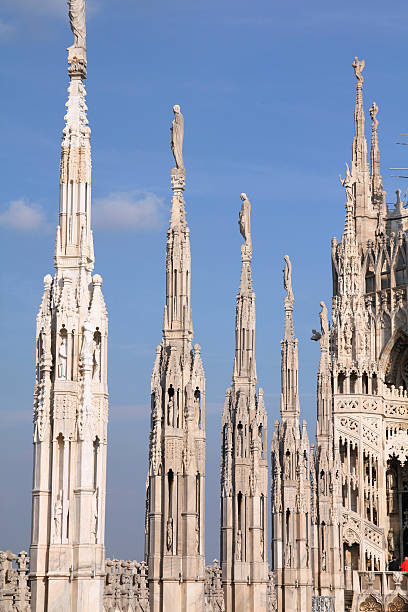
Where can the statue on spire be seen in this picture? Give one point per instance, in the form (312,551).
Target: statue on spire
(358,66)
(177,136)
(245,220)
(373,115)
(78,25)
(287,279)
(347,183)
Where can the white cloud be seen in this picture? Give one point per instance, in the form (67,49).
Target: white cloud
(23,217)
(128,211)
(6,30)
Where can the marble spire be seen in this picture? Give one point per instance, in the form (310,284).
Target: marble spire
(74,236)
(244,361)
(289,351)
(376,178)
(176,478)
(244,488)
(290,482)
(67,551)
(360,205)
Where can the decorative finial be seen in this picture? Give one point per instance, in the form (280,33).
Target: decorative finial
(177,136)
(358,66)
(347,183)
(373,115)
(287,279)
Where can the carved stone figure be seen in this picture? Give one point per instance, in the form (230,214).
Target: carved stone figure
(78,23)
(58,519)
(169,533)
(391,540)
(324,321)
(373,115)
(87,341)
(358,66)
(177,136)
(238,546)
(94,515)
(63,356)
(348,183)
(287,278)
(287,465)
(170,412)
(245,220)
(197,534)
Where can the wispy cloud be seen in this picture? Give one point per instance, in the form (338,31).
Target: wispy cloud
(21,216)
(53,8)
(6,30)
(129,211)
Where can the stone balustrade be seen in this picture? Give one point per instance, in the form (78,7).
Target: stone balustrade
(14,586)
(380,591)
(126,587)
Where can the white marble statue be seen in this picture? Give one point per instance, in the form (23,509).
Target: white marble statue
(358,66)
(287,278)
(177,136)
(245,220)
(63,357)
(78,24)
(347,183)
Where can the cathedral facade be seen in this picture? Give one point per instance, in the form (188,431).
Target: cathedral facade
(337,508)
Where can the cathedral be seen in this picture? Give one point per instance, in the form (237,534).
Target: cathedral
(304,526)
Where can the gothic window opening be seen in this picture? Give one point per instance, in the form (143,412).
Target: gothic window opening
(364,382)
(197,406)
(240,510)
(353,383)
(385,275)
(354,499)
(351,556)
(344,494)
(198,512)
(401,270)
(170,406)
(322,486)
(374,384)
(72,353)
(261,439)
(170,480)
(340,382)
(97,356)
(96,446)
(287,525)
(370,279)
(60,462)
(240,441)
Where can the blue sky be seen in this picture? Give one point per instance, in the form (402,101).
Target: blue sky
(267,92)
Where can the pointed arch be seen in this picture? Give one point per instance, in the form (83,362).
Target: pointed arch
(393,357)
(398,604)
